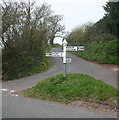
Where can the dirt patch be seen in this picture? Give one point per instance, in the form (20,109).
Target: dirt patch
(106,107)
(108,66)
(109,107)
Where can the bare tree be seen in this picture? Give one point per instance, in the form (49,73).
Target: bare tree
(55,27)
(26,29)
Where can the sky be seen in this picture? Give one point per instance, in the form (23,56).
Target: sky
(77,12)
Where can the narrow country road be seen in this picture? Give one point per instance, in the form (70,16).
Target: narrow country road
(20,107)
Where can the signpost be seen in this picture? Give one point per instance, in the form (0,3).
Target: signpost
(54,54)
(75,48)
(68,60)
(63,54)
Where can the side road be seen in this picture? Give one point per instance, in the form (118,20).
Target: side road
(20,107)
(77,65)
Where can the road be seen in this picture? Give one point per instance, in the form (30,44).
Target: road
(20,107)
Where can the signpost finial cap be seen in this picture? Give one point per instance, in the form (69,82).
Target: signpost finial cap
(64,42)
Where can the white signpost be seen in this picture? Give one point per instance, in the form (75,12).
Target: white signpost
(75,48)
(63,54)
(54,54)
(68,60)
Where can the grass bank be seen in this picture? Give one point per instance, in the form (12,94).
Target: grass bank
(44,65)
(103,53)
(28,68)
(74,87)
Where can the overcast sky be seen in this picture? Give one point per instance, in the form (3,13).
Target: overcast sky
(77,12)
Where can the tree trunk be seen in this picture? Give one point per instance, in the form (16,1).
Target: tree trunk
(51,41)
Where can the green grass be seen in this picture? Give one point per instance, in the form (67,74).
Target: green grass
(57,45)
(24,67)
(75,86)
(44,65)
(103,53)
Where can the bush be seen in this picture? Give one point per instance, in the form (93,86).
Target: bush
(103,53)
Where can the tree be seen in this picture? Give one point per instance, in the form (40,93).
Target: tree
(55,27)
(77,36)
(112,16)
(26,29)
(0,25)
(40,21)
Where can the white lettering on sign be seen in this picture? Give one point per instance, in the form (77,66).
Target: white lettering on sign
(54,54)
(63,54)
(75,48)
(68,60)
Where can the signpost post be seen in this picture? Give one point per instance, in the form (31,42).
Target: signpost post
(63,54)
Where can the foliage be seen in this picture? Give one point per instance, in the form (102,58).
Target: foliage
(77,36)
(0,63)
(25,34)
(103,53)
(111,17)
(56,29)
(57,45)
(74,87)
(23,66)
(100,39)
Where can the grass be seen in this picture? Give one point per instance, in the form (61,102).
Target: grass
(44,65)
(28,68)
(57,45)
(75,86)
(103,53)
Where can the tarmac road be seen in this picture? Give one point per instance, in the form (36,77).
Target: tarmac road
(19,107)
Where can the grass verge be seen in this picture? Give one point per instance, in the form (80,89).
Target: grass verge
(28,68)
(44,65)
(74,87)
(103,53)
